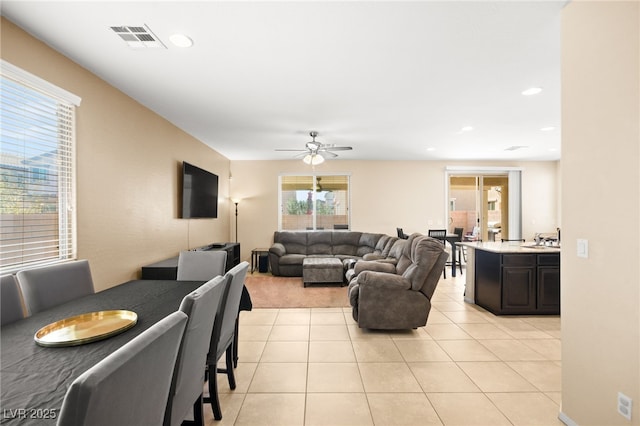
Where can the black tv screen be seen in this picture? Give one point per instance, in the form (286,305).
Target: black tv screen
(199,192)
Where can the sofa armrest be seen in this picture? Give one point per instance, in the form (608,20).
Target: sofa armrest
(278,249)
(372,256)
(389,260)
(372,265)
(382,280)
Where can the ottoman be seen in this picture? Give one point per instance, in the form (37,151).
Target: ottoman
(322,270)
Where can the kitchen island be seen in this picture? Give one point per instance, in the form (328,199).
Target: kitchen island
(513,278)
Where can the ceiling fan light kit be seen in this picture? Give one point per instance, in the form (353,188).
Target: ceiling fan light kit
(316,151)
(313,159)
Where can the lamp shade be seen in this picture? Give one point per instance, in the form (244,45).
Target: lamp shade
(313,159)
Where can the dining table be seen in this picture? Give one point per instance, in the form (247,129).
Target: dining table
(34,379)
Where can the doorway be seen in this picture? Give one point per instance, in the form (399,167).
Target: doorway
(485,204)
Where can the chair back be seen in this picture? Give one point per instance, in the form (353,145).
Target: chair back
(201,265)
(201,307)
(438,234)
(459,232)
(224,331)
(49,286)
(401,234)
(131,385)
(11,302)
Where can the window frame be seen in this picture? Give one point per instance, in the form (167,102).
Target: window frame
(64,168)
(313,176)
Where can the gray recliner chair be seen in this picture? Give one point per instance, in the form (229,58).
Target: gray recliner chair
(395,297)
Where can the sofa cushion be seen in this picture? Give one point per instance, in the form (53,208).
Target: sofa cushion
(396,248)
(364,265)
(425,254)
(433,262)
(404,259)
(346,243)
(292,259)
(389,242)
(367,243)
(380,245)
(294,242)
(319,243)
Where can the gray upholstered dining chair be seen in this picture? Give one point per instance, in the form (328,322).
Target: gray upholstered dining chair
(131,385)
(201,306)
(11,309)
(224,333)
(201,265)
(49,286)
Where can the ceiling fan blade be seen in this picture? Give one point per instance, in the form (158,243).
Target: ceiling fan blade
(335,148)
(292,150)
(325,152)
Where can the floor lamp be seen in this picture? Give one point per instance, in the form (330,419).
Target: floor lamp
(236,203)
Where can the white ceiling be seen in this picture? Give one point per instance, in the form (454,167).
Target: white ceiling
(391,79)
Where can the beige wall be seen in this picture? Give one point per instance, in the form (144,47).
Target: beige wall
(128,161)
(600,203)
(385,195)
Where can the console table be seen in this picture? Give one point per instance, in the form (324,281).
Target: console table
(168,269)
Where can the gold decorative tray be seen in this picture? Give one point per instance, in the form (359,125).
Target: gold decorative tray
(85,328)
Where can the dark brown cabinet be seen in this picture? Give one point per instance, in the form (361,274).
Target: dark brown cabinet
(518,289)
(518,283)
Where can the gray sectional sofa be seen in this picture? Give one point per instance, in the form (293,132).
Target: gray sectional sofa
(290,248)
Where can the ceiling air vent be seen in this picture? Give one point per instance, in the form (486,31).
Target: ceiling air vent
(138,37)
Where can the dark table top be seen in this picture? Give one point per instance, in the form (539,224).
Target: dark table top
(34,379)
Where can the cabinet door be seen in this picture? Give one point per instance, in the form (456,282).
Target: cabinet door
(549,289)
(518,290)
(487,283)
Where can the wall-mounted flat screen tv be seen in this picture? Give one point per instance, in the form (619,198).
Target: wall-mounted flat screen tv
(199,192)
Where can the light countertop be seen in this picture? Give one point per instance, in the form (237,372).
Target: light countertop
(510,247)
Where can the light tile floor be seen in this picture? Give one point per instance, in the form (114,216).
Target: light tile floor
(466,367)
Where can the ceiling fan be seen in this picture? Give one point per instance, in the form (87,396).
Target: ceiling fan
(315,152)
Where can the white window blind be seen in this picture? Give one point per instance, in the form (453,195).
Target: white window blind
(37,171)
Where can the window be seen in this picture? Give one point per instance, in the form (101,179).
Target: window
(37,173)
(314,202)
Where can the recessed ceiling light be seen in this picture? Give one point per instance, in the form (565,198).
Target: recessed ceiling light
(181,40)
(431,148)
(553,149)
(466,129)
(547,129)
(532,91)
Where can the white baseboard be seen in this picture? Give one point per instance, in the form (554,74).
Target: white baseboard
(566,419)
